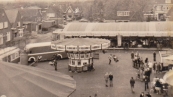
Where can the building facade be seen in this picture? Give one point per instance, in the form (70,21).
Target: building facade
(161,8)
(34,17)
(16,22)
(5,28)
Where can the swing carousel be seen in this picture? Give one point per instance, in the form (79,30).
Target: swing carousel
(80,51)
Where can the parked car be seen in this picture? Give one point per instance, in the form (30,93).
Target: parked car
(83,20)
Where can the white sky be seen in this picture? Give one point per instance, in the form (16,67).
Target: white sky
(41,0)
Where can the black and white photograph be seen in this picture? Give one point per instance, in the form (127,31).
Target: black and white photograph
(86,48)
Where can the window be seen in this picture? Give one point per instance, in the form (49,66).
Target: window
(73,62)
(39,27)
(8,36)
(18,24)
(70,16)
(21,33)
(17,54)
(123,13)
(51,14)
(1,25)
(79,62)
(15,34)
(5,24)
(158,7)
(82,56)
(69,11)
(13,56)
(1,39)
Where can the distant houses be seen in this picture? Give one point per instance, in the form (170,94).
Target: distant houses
(32,18)
(159,10)
(70,12)
(17,23)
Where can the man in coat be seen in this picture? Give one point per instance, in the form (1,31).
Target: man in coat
(132,55)
(55,64)
(106,78)
(146,82)
(111,79)
(154,56)
(132,83)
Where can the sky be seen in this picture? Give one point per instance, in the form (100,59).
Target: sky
(41,0)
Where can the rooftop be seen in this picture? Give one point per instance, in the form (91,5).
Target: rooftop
(24,81)
(12,15)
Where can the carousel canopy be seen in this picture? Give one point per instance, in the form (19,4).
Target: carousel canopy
(24,81)
(80,44)
(168,77)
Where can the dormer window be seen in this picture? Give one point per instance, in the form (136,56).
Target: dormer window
(123,13)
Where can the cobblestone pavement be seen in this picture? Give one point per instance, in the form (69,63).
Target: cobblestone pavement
(89,83)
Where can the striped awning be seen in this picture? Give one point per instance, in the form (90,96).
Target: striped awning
(24,81)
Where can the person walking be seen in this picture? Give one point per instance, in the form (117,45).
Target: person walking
(158,68)
(154,56)
(161,67)
(139,63)
(148,94)
(142,94)
(132,55)
(110,57)
(55,64)
(135,61)
(106,78)
(154,67)
(111,79)
(146,61)
(146,82)
(132,83)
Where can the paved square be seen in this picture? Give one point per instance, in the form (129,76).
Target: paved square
(89,83)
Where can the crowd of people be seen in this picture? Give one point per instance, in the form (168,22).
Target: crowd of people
(145,43)
(145,69)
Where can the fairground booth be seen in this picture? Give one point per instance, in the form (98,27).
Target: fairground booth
(131,34)
(168,77)
(80,51)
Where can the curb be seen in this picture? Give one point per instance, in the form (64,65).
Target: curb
(146,49)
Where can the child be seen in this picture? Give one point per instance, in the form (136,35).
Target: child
(115,58)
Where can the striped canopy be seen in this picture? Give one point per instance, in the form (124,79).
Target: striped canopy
(24,81)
